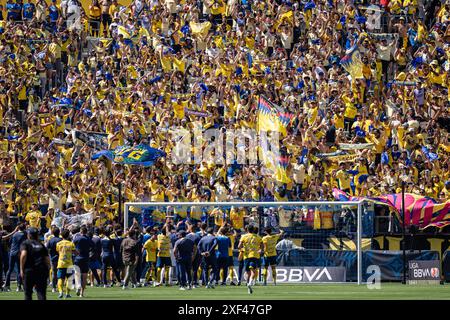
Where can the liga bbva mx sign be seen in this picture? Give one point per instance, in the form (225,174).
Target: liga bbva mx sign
(424,271)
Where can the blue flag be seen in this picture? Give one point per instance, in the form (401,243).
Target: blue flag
(304,156)
(70,173)
(384,158)
(185,29)
(154,80)
(203,86)
(309,5)
(430,155)
(249,60)
(142,155)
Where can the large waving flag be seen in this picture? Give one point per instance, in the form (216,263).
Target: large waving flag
(439,225)
(419,210)
(275,163)
(272,117)
(141,154)
(281,173)
(352,63)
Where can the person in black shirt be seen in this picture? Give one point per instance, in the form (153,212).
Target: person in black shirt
(184,252)
(117,241)
(14,255)
(207,247)
(195,237)
(94,256)
(5,253)
(2,239)
(330,135)
(34,265)
(108,258)
(130,248)
(51,246)
(83,245)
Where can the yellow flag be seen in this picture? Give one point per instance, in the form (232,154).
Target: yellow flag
(122,31)
(179,110)
(268,122)
(200,28)
(219,42)
(444,147)
(133,72)
(166,62)
(317,221)
(281,175)
(287,16)
(106,42)
(144,32)
(179,65)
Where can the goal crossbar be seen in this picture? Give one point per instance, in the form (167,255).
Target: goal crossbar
(242,203)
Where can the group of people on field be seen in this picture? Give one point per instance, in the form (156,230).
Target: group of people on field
(197,254)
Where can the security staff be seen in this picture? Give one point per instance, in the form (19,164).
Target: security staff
(34,265)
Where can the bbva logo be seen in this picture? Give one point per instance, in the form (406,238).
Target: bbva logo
(303,275)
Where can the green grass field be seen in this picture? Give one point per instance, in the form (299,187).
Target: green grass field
(284,292)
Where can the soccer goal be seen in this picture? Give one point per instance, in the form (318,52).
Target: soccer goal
(319,241)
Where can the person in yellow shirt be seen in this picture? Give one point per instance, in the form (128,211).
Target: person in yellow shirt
(34,216)
(95,13)
(56,52)
(343,178)
(150,247)
(237,218)
(253,246)
(220,217)
(217,8)
(232,234)
(163,259)
(65,249)
(270,254)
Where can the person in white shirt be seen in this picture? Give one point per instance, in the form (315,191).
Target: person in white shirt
(299,175)
(212,51)
(287,37)
(55,199)
(384,54)
(286,244)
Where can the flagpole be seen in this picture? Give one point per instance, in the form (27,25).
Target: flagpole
(257,107)
(260,191)
(404,233)
(120,203)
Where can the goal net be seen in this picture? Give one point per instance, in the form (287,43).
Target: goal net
(320,241)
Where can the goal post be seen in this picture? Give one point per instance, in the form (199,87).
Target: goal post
(326,234)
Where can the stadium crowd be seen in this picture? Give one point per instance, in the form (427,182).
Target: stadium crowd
(165,64)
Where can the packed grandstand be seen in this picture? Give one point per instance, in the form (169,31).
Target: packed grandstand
(91,95)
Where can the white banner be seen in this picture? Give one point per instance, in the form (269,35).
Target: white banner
(355,146)
(71,220)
